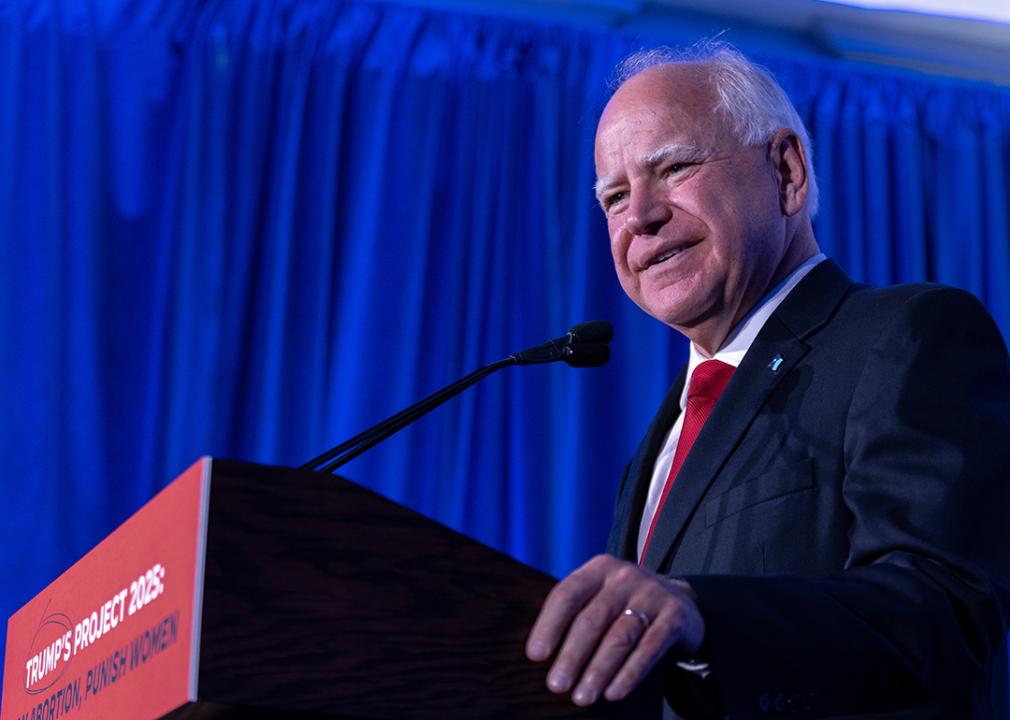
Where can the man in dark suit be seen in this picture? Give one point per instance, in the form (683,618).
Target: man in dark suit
(816,522)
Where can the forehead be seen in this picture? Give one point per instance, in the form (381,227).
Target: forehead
(670,104)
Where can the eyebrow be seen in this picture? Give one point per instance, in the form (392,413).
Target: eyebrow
(674,150)
(670,151)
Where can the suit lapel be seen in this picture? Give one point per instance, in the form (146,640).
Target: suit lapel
(775,351)
(632,499)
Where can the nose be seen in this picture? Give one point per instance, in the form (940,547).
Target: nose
(646,213)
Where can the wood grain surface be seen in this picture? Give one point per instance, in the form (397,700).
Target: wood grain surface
(324,598)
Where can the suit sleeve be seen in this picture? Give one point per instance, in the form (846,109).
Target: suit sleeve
(918,616)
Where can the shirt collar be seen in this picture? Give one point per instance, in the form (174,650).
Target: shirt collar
(740,338)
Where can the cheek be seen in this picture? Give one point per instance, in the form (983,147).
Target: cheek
(620,242)
(628,282)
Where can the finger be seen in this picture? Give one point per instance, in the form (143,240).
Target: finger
(621,639)
(662,634)
(563,603)
(587,631)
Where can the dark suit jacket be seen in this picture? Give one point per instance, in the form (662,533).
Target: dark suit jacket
(845,518)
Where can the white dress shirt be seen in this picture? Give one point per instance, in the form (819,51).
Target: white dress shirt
(732,351)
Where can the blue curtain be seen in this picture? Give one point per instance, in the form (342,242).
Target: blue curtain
(251,229)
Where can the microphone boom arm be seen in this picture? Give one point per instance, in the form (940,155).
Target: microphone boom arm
(350,449)
(585,345)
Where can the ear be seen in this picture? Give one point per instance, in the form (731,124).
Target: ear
(789,160)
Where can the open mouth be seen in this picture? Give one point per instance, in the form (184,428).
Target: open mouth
(663,257)
(666,256)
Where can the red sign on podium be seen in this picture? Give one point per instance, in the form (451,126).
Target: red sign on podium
(117,635)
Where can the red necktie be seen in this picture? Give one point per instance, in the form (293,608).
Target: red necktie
(707,383)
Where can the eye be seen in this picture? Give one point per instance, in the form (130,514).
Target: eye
(611,201)
(677,168)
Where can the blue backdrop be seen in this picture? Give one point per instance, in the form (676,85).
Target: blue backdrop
(251,229)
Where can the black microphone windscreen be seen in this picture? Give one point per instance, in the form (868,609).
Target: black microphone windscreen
(587,354)
(594,331)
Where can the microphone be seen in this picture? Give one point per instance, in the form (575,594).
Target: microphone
(585,345)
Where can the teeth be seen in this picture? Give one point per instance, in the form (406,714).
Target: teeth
(666,256)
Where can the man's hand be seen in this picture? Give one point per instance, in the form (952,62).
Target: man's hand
(617,620)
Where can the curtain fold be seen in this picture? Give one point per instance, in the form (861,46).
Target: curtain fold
(252,229)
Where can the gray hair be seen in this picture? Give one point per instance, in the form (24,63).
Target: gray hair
(754,102)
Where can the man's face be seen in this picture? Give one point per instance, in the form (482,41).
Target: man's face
(696,228)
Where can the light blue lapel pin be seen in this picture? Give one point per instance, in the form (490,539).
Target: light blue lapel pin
(775,363)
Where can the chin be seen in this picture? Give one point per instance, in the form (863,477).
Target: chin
(676,318)
(669,305)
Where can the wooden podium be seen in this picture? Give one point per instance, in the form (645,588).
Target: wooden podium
(247,591)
